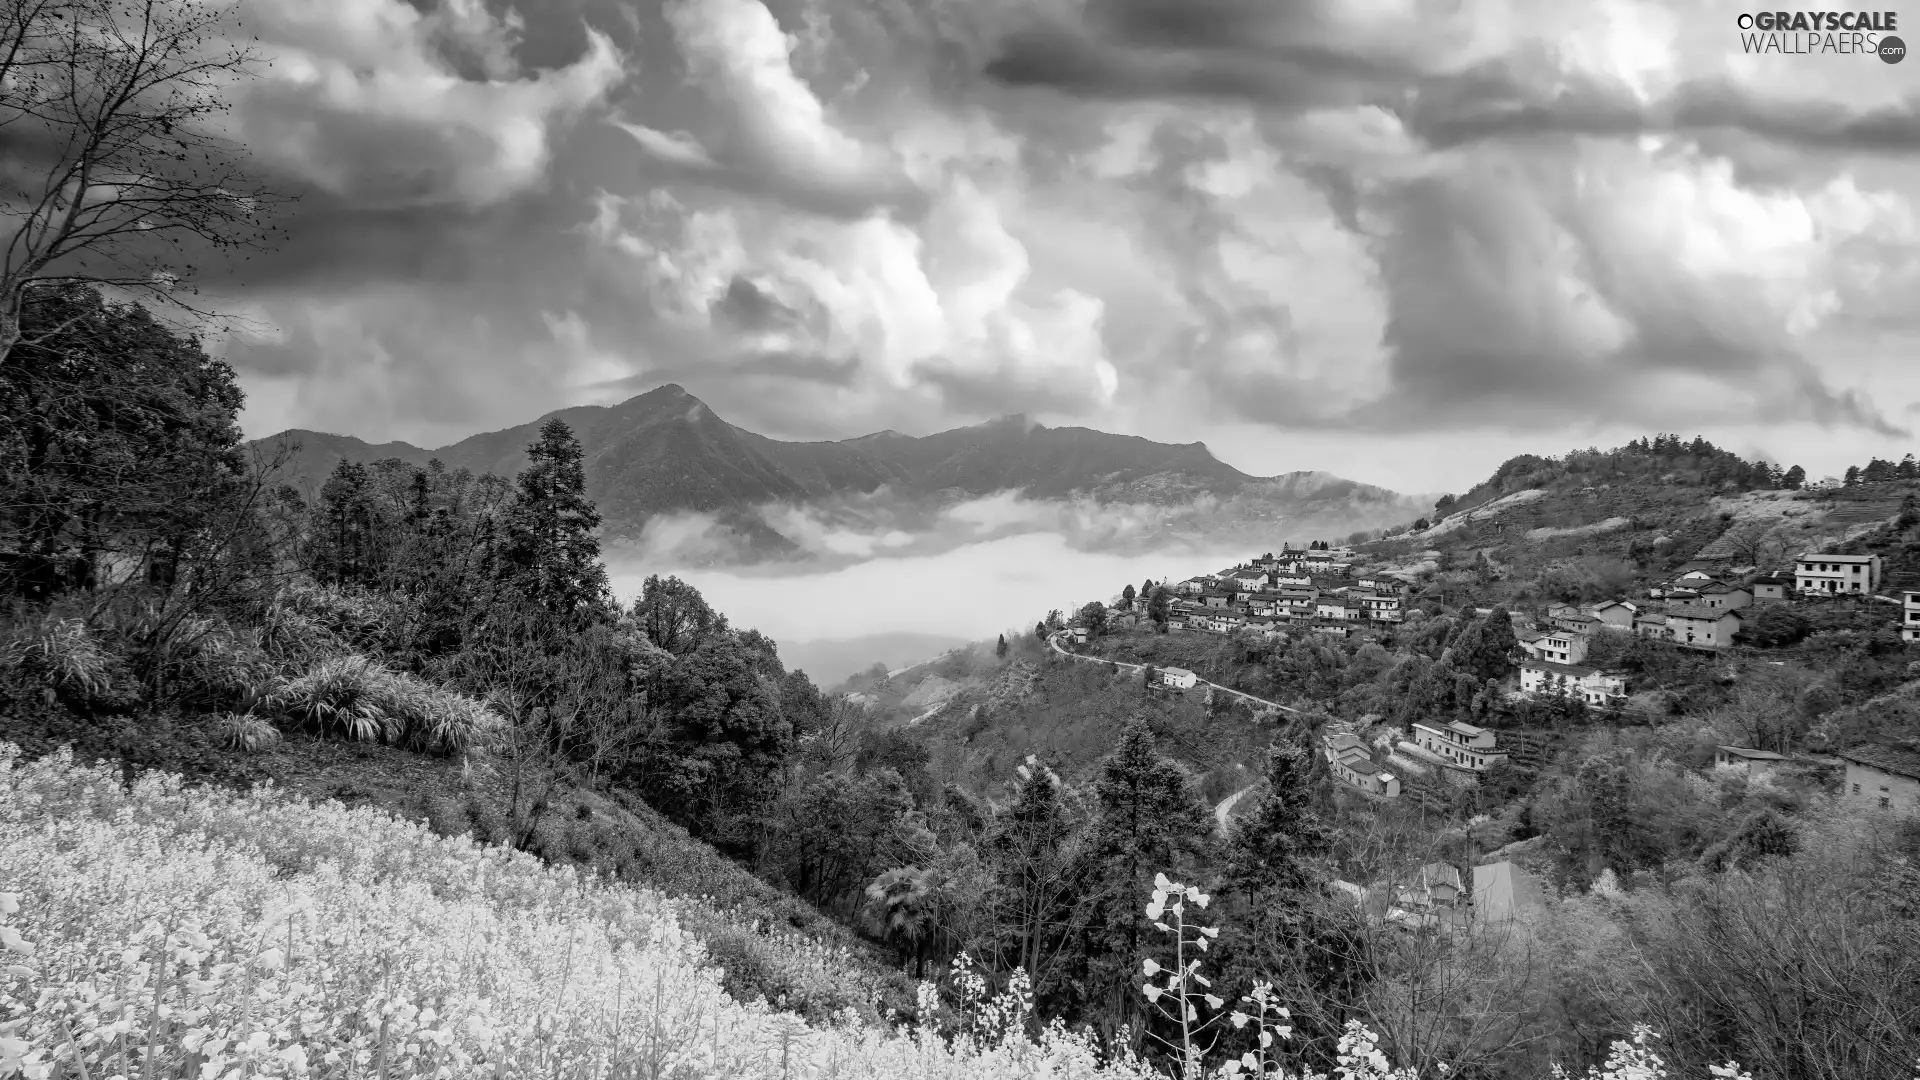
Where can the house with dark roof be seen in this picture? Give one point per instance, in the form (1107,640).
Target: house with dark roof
(1615,613)
(1770,587)
(1721,595)
(1652,624)
(1575,622)
(1695,624)
(1755,763)
(1882,776)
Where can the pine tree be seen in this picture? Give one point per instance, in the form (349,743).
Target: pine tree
(1148,820)
(1000,649)
(1126,597)
(1852,477)
(1794,479)
(552,551)
(1908,469)
(1275,927)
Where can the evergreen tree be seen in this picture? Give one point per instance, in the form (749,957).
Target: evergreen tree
(1277,925)
(1908,469)
(1148,820)
(1000,649)
(1126,597)
(1794,479)
(552,551)
(1040,630)
(1852,477)
(1159,606)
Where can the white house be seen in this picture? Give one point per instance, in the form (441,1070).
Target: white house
(1544,678)
(1770,587)
(1378,606)
(1177,677)
(1293,579)
(1910,616)
(1361,772)
(1820,573)
(1250,580)
(1653,625)
(1692,624)
(1460,744)
(1555,646)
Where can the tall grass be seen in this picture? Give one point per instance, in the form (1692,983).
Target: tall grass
(356,697)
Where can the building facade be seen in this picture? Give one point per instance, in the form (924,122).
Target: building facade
(1463,745)
(1825,574)
(1882,777)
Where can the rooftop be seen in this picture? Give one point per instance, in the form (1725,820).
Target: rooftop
(1900,760)
(1698,611)
(1816,556)
(1750,754)
(1176,671)
(1578,671)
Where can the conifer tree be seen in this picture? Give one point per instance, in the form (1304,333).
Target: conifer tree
(1148,820)
(1000,648)
(552,552)
(1126,597)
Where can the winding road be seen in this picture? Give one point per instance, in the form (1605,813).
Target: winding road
(1225,809)
(1055,641)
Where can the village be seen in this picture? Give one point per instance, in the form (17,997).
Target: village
(1328,590)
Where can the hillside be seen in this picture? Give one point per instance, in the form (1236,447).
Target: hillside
(665,452)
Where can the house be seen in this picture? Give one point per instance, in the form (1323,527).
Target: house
(1429,899)
(1339,629)
(1692,624)
(1178,620)
(1558,646)
(1463,745)
(1193,586)
(1692,575)
(1910,616)
(1575,622)
(1079,634)
(1770,587)
(1827,574)
(1882,776)
(1217,599)
(1252,581)
(1361,772)
(1330,607)
(1381,583)
(1615,613)
(1544,678)
(1503,892)
(1378,606)
(1266,604)
(1122,620)
(1178,678)
(1755,763)
(1653,625)
(1722,595)
(1343,744)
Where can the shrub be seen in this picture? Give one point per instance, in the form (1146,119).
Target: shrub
(66,658)
(355,697)
(245,732)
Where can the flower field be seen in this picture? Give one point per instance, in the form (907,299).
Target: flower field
(159,932)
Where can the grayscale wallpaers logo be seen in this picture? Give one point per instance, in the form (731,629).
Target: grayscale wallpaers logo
(1809,33)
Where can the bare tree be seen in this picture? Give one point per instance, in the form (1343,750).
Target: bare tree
(115,171)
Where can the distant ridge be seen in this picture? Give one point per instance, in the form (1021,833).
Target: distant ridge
(665,451)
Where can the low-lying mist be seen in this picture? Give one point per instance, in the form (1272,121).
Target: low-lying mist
(911,607)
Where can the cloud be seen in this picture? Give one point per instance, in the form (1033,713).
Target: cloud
(361,102)
(774,137)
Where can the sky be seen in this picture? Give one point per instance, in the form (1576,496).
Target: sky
(1398,240)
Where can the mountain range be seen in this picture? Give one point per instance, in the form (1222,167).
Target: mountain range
(666,453)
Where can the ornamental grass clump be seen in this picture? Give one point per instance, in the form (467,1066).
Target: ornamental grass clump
(357,698)
(65,657)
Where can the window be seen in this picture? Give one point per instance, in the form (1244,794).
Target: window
(1856,789)
(1884,802)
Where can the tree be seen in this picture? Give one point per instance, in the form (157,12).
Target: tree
(1147,820)
(1000,648)
(1038,899)
(1094,617)
(1908,469)
(1794,479)
(1040,630)
(1852,476)
(552,551)
(1159,606)
(1126,598)
(118,175)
